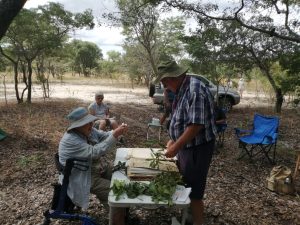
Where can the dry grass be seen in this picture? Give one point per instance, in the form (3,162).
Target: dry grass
(236,192)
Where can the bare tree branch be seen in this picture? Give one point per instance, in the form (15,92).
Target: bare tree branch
(200,11)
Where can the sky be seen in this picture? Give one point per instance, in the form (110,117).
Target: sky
(107,38)
(110,38)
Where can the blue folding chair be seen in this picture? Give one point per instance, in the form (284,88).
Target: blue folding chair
(261,139)
(62,206)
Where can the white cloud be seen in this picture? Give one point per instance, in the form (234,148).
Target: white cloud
(106,38)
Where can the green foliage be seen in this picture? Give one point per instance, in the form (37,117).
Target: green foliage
(136,63)
(281,78)
(108,68)
(55,14)
(161,188)
(85,56)
(296,100)
(134,189)
(169,38)
(3,63)
(140,23)
(114,56)
(29,161)
(156,158)
(118,188)
(39,33)
(291,66)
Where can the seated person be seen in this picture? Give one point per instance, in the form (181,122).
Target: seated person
(168,101)
(220,117)
(101,111)
(81,140)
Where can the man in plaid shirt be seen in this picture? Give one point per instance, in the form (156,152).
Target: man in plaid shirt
(192,130)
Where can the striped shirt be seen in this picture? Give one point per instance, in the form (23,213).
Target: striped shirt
(193,104)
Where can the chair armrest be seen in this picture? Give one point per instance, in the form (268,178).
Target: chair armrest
(239,132)
(271,138)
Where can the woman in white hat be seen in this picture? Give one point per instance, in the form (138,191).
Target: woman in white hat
(83,141)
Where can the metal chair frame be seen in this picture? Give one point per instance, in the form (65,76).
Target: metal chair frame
(267,145)
(59,210)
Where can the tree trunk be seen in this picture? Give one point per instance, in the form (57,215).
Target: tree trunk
(265,68)
(8,10)
(20,100)
(29,81)
(4,86)
(279,100)
(15,64)
(24,72)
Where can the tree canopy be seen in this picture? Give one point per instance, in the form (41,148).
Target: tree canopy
(276,18)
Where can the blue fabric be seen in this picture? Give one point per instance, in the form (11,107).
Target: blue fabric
(2,134)
(264,131)
(171,96)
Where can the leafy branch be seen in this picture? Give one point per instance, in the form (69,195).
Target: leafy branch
(161,188)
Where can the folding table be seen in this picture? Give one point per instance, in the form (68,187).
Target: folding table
(141,200)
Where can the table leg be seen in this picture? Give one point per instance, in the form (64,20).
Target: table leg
(110,216)
(159,131)
(297,167)
(184,215)
(148,132)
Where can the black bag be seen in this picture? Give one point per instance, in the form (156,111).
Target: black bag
(68,206)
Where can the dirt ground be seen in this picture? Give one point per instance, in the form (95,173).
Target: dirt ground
(236,190)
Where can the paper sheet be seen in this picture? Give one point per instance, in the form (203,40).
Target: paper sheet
(181,194)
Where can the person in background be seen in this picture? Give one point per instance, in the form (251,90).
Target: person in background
(241,86)
(81,140)
(168,101)
(220,117)
(101,111)
(229,83)
(192,130)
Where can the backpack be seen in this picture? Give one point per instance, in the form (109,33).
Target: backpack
(280,180)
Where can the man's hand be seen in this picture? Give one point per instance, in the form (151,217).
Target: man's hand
(171,149)
(190,132)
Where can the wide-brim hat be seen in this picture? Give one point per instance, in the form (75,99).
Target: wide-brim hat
(79,117)
(99,94)
(169,69)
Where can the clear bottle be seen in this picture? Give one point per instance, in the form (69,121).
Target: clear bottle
(287,180)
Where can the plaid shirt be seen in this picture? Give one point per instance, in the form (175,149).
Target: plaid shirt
(193,104)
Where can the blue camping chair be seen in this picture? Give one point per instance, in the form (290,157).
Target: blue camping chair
(62,206)
(261,139)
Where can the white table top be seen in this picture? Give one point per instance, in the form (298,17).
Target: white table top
(141,200)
